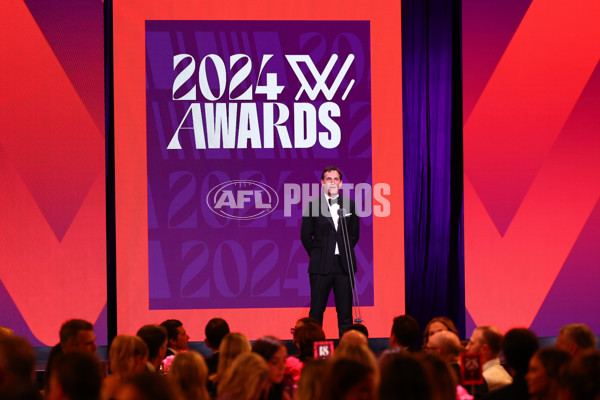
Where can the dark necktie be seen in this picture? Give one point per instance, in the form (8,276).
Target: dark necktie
(333,201)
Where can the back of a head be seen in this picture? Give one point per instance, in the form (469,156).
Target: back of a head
(447,341)
(358,327)
(312,380)
(582,376)
(442,378)
(189,373)
(154,336)
(405,330)
(78,374)
(232,345)
(355,352)
(403,376)
(6,331)
(244,377)
(355,337)
(123,352)
(215,331)
(305,336)
(171,326)
(493,338)
(343,375)
(146,386)
(70,329)
(581,335)
(267,346)
(17,361)
(519,345)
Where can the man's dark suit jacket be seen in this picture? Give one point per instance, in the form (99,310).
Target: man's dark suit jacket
(319,236)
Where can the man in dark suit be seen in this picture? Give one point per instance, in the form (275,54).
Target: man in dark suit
(330,257)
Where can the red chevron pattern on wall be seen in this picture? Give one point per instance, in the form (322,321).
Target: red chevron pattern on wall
(52,206)
(531,162)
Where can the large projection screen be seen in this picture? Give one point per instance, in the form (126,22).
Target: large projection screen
(52,168)
(225,117)
(531,146)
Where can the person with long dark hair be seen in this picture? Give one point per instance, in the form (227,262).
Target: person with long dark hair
(274,353)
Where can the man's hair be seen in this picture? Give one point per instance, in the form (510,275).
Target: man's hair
(171,325)
(79,375)
(358,327)
(329,169)
(154,336)
(519,345)
(406,331)
(581,335)
(492,337)
(448,342)
(215,331)
(17,357)
(70,329)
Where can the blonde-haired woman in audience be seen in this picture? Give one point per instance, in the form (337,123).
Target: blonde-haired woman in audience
(127,356)
(246,379)
(232,345)
(360,353)
(189,373)
(310,385)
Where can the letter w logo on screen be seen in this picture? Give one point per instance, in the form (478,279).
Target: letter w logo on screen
(531,162)
(320,78)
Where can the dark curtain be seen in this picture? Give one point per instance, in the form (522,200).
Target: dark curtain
(433,173)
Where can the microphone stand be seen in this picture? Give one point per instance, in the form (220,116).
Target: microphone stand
(346,240)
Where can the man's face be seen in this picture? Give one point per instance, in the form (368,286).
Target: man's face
(331,183)
(563,342)
(182,339)
(85,341)
(476,342)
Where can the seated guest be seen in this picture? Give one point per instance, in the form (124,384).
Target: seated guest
(189,375)
(305,337)
(215,331)
(581,378)
(146,386)
(576,338)
(232,345)
(442,378)
(17,364)
(518,346)
(178,339)
(438,324)
(312,380)
(274,352)
(358,327)
(246,379)
(350,379)
(354,336)
(127,356)
(74,335)
(487,341)
(155,337)
(75,376)
(405,333)
(448,346)
(357,352)
(403,376)
(544,369)
(6,331)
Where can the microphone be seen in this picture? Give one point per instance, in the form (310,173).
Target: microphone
(342,212)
